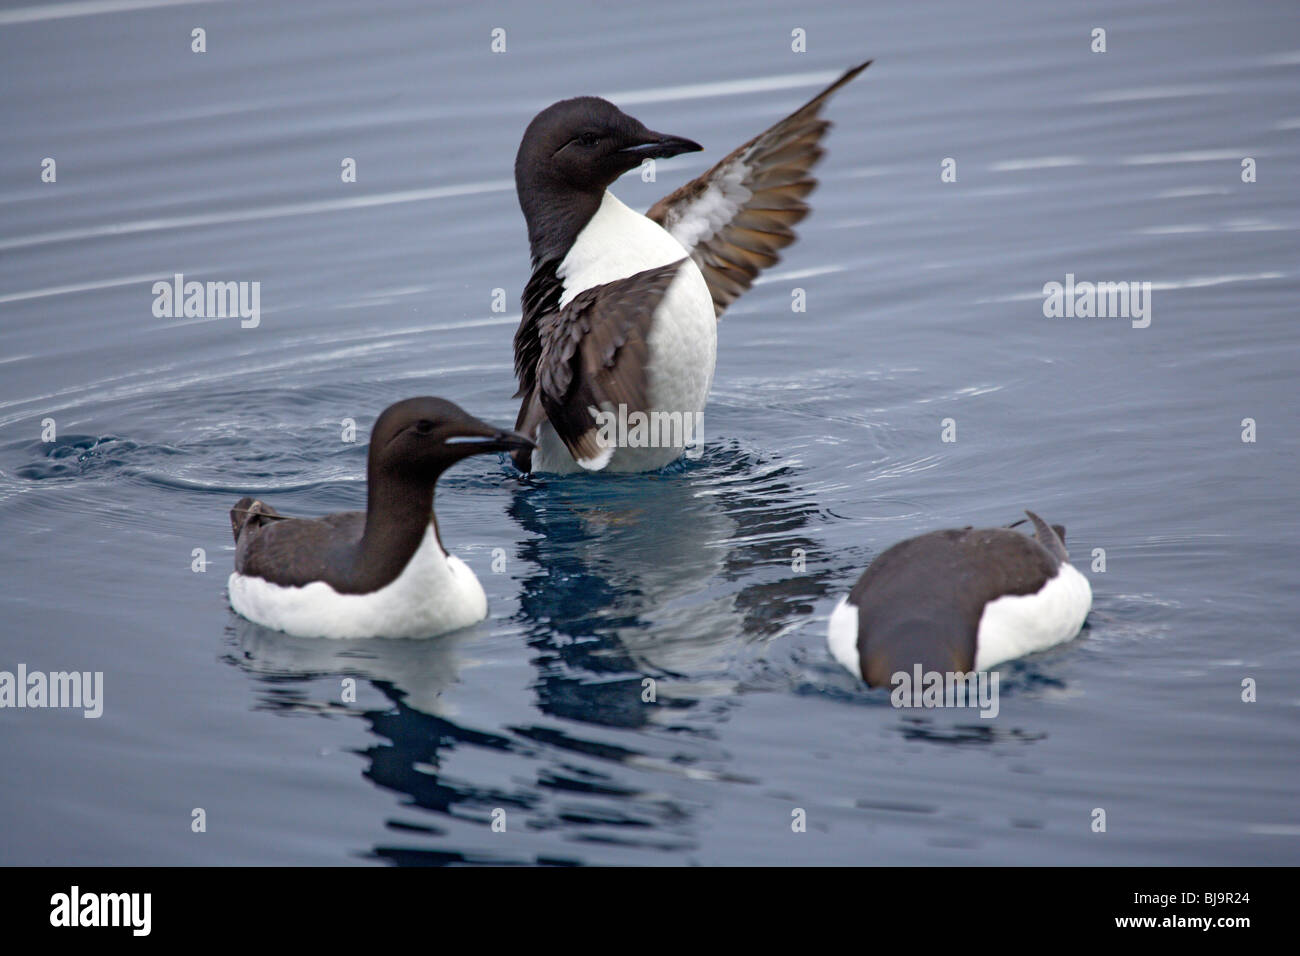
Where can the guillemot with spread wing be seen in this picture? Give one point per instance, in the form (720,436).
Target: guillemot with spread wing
(378,573)
(958,601)
(620,313)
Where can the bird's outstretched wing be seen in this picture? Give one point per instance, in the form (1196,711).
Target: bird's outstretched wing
(592,357)
(734,218)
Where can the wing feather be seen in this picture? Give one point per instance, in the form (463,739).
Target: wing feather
(737,216)
(593,357)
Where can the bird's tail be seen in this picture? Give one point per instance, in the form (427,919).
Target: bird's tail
(250,513)
(1051,537)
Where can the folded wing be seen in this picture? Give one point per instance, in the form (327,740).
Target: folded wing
(592,357)
(294,552)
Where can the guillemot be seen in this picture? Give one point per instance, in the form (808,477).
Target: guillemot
(620,312)
(958,601)
(378,573)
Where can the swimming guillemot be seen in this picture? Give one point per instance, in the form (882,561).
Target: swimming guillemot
(620,313)
(958,601)
(378,573)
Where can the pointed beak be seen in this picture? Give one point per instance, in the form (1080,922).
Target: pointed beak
(481,438)
(660,146)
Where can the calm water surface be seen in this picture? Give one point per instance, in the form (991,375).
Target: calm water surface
(924,303)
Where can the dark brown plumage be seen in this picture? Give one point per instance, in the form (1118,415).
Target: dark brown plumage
(921,600)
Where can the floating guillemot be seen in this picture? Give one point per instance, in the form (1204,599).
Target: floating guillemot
(960,601)
(378,573)
(621,309)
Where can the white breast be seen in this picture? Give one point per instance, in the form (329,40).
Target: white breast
(616,243)
(435,593)
(683,342)
(1015,625)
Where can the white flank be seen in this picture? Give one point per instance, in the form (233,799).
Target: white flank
(842,636)
(435,593)
(683,343)
(1015,625)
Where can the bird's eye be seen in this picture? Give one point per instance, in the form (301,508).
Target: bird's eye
(424,426)
(588,139)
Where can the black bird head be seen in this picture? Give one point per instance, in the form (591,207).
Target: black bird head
(586,143)
(420,438)
(571,152)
